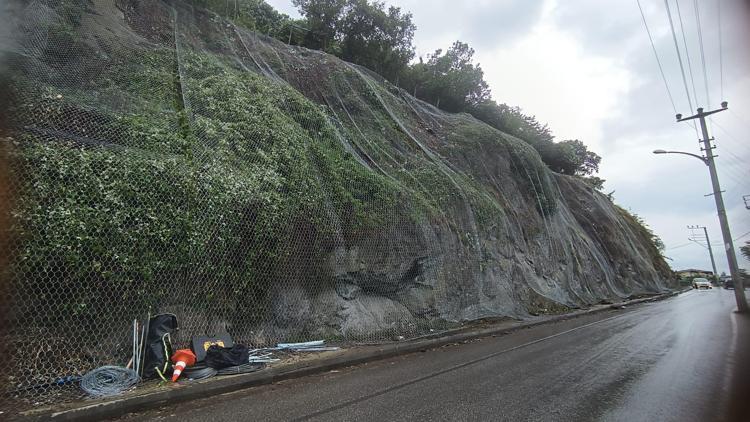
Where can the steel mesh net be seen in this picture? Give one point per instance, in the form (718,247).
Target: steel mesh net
(167,160)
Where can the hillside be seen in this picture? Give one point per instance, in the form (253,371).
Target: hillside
(169,160)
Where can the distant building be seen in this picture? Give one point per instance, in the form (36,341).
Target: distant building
(692,272)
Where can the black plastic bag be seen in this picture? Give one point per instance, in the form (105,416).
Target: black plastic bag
(158,345)
(202,343)
(218,357)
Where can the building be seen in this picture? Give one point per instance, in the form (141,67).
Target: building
(692,273)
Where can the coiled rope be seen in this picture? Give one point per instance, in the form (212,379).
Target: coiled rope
(108,381)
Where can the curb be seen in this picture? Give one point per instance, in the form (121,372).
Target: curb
(119,407)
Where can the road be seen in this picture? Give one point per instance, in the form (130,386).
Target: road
(674,360)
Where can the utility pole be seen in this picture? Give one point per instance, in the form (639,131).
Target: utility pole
(708,243)
(739,289)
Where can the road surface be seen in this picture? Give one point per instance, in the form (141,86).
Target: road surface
(675,360)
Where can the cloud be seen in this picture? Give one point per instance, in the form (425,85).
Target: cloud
(481,23)
(586,68)
(668,190)
(284,6)
(601,27)
(547,74)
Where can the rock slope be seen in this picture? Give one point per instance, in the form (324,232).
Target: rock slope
(169,160)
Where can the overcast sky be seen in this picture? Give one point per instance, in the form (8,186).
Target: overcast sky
(586,68)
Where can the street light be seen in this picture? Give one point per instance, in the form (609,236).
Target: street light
(661,151)
(708,160)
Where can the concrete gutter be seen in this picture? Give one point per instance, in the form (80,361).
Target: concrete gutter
(356,356)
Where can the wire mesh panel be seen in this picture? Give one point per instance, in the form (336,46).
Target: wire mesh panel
(166,159)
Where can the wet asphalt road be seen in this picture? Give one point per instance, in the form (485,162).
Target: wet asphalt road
(675,360)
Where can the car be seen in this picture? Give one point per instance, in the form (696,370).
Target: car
(729,284)
(702,283)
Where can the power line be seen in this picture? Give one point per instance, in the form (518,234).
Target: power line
(679,56)
(735,188)
(679,246)
(738,176)
(734,140)
(721,53)
(653,47)
(735,161)
(703,56)
(687,52)
(739,118)
(682,67)
(738,182)
(695,242)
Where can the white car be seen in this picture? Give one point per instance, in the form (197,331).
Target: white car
(701,283)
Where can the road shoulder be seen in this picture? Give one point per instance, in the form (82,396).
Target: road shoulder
(144,400)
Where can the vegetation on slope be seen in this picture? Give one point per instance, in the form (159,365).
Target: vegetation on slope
(379,38)
(114,201)
(243,166)
(143,165)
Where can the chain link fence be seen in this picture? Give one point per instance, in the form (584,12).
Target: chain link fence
(166,160)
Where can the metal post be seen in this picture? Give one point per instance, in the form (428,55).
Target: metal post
(739,290)
(708,245)
(711,254)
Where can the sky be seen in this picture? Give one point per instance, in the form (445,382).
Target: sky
(587,68)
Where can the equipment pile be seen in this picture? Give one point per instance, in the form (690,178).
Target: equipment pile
(154,358)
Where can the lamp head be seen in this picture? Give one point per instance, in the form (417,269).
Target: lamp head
(679,116)
(724,104)
(659,151)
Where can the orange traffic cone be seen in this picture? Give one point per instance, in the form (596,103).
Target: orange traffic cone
(182,358)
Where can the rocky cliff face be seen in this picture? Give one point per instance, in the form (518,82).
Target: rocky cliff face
(168,159)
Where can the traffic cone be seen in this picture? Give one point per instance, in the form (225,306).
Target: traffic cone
(182,358)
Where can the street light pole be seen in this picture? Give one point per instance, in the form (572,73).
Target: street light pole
(739,290)
(708,243)
(711,254)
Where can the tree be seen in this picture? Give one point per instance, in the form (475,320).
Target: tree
(368,34)
(376,38)
(746,249)
(513,121)
(256,15)
(570,157)
(596,183)
(361,32)
(450,80)
(645,230)
(323,20)
(573,157)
